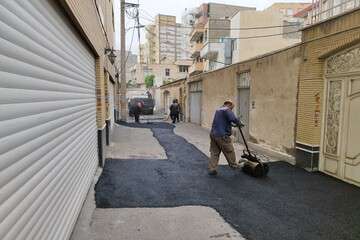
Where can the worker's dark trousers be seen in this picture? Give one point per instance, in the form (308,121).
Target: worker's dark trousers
(175,117)
(224,145)
(137,117)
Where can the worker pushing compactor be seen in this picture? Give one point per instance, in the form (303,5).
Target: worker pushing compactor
(220,137)
(220,141)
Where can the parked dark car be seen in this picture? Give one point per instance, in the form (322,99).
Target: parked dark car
(148,105)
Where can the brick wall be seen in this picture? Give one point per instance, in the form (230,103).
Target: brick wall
(320,41)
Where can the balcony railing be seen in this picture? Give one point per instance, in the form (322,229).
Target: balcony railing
(197,32)
(195,49)
(196,68)
(323,10)
(211,49)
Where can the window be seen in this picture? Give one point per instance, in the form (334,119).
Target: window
(167,72)
(183,68)
(283,11)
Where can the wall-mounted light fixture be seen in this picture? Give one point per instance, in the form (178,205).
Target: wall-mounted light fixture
(111,55)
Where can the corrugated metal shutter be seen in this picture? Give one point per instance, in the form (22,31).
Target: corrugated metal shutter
(195,90)
(48,145)
(111,103)
(195,107)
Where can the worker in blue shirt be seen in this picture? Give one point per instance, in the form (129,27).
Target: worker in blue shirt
(220,140)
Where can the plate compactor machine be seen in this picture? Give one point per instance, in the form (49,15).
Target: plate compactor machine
(253,165)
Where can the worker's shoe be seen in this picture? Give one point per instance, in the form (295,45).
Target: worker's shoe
(212,173)
(235,166)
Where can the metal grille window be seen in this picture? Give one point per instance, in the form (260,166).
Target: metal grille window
(183,68)
(195,87)
(244,80)
(167,72)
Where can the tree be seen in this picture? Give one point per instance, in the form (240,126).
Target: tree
(130,84)
(149,81)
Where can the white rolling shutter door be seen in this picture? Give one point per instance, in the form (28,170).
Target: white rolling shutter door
(48,143)
(111,103)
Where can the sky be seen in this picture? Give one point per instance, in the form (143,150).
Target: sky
(150,8)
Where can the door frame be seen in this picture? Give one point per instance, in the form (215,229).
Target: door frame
(345,78)
(246,84)
(200,108)
(196,87)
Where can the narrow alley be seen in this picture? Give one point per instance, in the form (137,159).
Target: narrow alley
(168,195)
(179,120)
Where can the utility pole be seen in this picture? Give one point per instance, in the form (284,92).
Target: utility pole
(123,102)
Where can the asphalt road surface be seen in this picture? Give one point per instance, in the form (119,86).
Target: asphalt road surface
(289,204)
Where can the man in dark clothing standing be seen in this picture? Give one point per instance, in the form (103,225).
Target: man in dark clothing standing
(175,111)
(137,111)
(220,138)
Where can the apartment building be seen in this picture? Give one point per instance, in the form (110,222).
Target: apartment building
(212,23)
(255,40)
(55,104)
(325,9)
(131,60)
(183,42)
(148,49)
(163,73)
(166,41)
(288,9)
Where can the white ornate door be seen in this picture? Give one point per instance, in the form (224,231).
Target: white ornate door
(340,154)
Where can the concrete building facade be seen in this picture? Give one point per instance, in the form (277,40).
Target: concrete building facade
(165,43)
(164,73)
(212,24)
(288,9)
(54,108)
(171,91)
(182,42)
(324,9)
(257,90)
(249,43)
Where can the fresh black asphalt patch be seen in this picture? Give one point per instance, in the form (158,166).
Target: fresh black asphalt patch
(289,204)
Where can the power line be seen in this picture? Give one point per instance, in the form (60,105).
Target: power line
(130,47)
(148,14)
(248,37)
(221,28)
(259,36)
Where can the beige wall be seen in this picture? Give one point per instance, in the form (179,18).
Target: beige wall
(274,80)
(217,28)
(176,90)
(218,10)
(283,7)
(249,48)
(141,70)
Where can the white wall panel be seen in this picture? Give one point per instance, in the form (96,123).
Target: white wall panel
(48,135)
